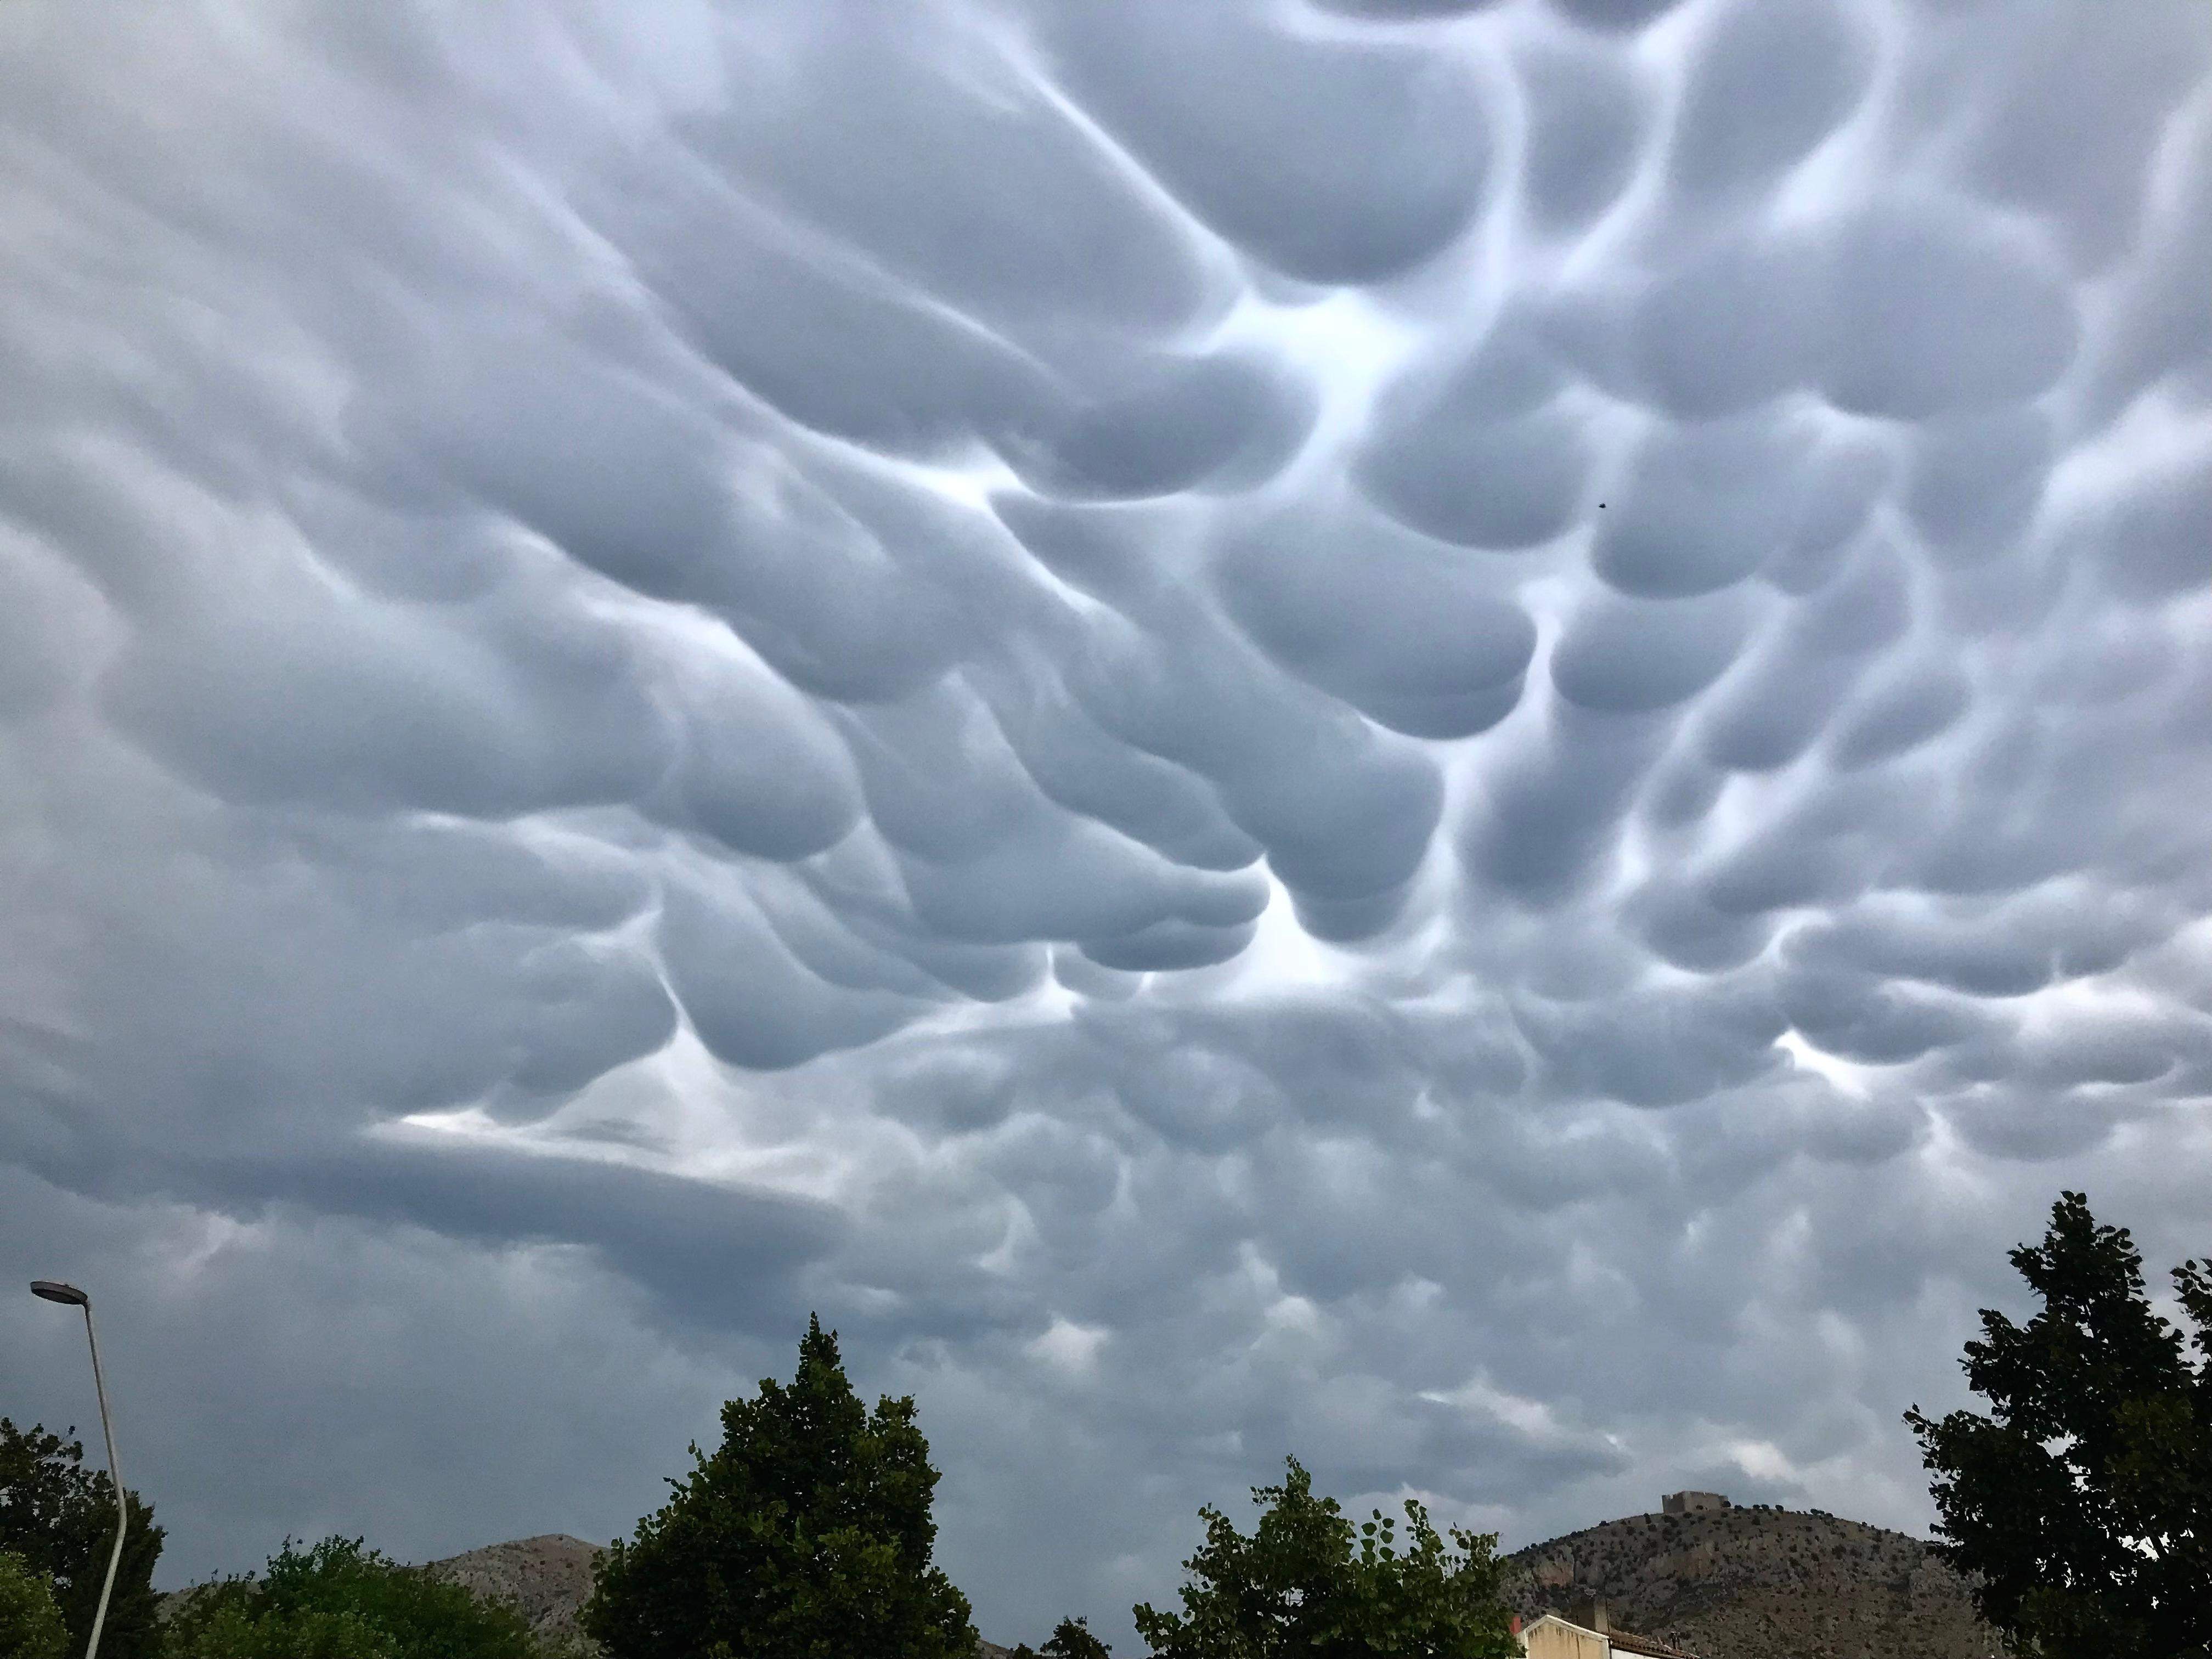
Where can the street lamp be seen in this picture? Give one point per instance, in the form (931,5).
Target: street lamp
(69,1296)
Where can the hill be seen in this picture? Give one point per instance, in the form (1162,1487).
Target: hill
(548,1578)
(1758,1584)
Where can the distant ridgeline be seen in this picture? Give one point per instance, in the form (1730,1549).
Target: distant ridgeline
(1704,1577)
(1708,1577)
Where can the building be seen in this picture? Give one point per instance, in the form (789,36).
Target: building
(1691,1503)
(1590,1635)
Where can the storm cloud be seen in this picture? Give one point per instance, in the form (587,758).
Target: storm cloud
(1468,737)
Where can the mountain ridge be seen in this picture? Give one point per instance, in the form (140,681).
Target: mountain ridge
(1741,1583)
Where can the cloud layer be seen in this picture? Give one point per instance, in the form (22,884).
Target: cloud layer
(1467,737)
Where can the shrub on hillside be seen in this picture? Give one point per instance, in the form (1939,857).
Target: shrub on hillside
(341,1601)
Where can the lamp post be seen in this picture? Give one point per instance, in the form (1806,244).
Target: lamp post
(69,1296)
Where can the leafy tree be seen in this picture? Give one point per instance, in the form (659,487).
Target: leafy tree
(2081,1505)
(806,1536)
(1070,1639)
(30,1622)
(59,1518)
(341,1601)
(1306,1584)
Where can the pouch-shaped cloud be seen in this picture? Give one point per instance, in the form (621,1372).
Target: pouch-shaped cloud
(1237,723)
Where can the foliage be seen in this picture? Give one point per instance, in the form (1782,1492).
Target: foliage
(340,1600)
(30,1621)
(2082,1503)
(1070,1639)
(59,1518)
(1306,1584)
(806,1536)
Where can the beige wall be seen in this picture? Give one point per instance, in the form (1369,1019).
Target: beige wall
(1555,1638)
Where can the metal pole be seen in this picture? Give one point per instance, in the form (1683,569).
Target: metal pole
(114,1473)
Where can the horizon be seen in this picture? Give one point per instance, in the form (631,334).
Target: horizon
(1462,736)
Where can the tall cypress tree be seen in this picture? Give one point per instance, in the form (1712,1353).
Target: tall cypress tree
(806,1535)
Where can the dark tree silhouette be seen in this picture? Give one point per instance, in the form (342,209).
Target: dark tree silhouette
(2081,1506)
(806,1536)
(59,1518)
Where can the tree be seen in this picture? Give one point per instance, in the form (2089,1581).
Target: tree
(2081,1505)
(31,1625)
(806,1536)
(1307,1583)
(1070,1639)
(341,1601)
(59,1518)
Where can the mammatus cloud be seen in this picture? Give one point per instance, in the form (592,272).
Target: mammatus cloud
(1465,737)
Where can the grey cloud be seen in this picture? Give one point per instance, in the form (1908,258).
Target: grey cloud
(1767,84)
(1974,484)
(757,1001)
(1552,814)
(1216,420)
(1900,714)
(1617,14)
(1331,162)
(924,147)
(1702,508)
(1625,656)
(1936,309)
(1488,459)
(763,617)
(719,1253)
(1725,330)
(1428,653)
(1588,110)
(2149,537)
(2028,146)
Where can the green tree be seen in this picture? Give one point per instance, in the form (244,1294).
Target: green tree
(806,1536)
(1308,1584)
(31,1625)
(1071,1638)
(341,1601)
(2081,1505)
(59,1517)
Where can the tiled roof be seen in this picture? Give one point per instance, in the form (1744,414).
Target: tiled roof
(1629,1642)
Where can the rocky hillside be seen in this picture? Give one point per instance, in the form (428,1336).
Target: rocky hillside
(548,1579)
(1758,1584)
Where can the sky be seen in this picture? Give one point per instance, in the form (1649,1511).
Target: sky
(1466,739)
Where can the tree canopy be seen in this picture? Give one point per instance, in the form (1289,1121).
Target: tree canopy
(1070,1639)
(1308,1584)
(59,1518)
(806,1535)
(30,1621)
(340,1600)
(2082,1502)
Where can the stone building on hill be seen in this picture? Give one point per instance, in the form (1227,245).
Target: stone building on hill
(1691,1503)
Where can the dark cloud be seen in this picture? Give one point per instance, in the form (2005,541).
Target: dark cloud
(1239,725)
(1767,84)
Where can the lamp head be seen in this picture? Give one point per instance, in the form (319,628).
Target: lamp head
(54,1291)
